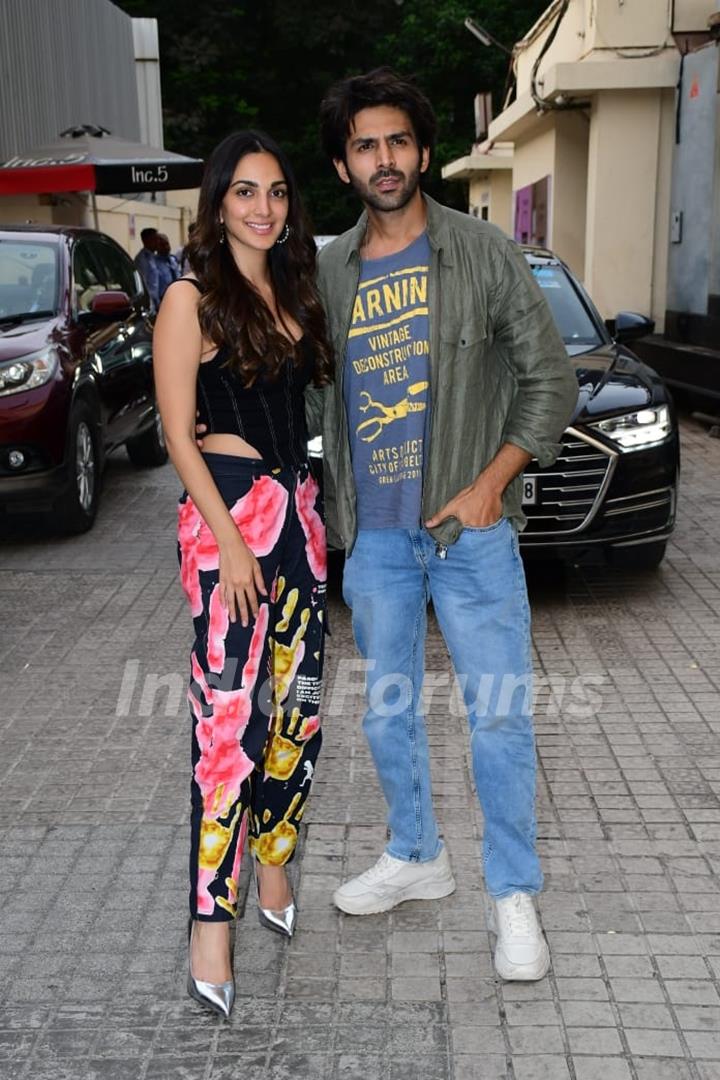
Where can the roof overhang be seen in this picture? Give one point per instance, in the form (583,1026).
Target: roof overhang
(580,80)
(473,165)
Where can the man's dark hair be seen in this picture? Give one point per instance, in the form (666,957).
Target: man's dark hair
(147,234)
(383,86)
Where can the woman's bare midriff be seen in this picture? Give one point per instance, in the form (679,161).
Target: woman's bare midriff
(229,444)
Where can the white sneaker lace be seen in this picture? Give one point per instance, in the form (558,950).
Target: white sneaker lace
(518,915)
(378,870)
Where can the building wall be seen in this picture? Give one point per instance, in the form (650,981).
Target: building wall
(694,195)
(621,200)
(64,62)
(666,148)
(535,156)
(501,199)
(570,168)
(692,15)
(123,219)
(493,191)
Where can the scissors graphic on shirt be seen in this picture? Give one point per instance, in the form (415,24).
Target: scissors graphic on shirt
(374,425)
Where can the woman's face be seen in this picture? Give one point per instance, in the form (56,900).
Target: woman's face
(255,206)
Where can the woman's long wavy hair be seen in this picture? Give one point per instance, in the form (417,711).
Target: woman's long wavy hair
(232,313)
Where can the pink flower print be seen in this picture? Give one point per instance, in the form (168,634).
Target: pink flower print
(223,764)
(205,902)
(309,726)
(219,622)
(189,521)
(306,493)
(259,515)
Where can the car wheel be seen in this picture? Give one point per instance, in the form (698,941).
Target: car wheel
(77,507)
(149,448)
(638,557)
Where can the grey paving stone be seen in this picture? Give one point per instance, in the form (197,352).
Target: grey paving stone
(489,1067)
(637,990)
(542,1067)
(587,1014)
(643,1015)
(708,1070)
(432,1067)
(704,1044)
(424,988)
(692,992)
(477,1040)
(601,1068)
(357,1067)
(698,1017)
(536,1040)
(644,1041)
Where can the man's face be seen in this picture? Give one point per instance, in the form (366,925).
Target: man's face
(162,244)
(383,160)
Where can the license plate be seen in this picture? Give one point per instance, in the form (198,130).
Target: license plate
(529,490)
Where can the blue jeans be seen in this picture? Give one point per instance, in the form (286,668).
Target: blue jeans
(480,600)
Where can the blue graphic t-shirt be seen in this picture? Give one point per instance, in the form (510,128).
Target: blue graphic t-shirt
(387,387)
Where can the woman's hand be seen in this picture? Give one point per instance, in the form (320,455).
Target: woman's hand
(240,580)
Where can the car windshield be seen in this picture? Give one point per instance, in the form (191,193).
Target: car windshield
(28,278)
(576,327)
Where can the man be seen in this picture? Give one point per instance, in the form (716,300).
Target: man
(146,262)
(451,378)
(167,265)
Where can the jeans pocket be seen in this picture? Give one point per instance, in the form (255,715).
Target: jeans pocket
(485,528)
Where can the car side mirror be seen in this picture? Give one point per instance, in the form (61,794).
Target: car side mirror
(109,306)
(629,326)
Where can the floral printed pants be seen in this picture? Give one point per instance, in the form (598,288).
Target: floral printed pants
(254,691)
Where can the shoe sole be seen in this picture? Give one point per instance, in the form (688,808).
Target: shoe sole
(429,890)
(522,972)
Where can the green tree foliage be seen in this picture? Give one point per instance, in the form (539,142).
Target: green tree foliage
(228,65)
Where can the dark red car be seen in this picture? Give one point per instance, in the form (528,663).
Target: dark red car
(75,370)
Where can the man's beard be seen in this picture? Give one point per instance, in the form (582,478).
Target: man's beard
(385,202)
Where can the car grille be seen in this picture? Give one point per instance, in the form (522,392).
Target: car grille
(569,492)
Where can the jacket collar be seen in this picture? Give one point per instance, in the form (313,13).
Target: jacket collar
(437,229)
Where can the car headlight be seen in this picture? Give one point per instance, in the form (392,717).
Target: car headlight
(634,431)
(27,372)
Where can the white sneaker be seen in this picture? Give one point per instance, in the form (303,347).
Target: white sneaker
(521,952)
(392,881)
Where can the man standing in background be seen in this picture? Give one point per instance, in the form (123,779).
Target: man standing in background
(167,265)
(146,262)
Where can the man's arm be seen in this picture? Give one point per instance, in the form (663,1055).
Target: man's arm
(527,340)
(480,503)
(314,401)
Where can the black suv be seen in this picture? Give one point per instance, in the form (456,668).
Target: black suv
(614,486)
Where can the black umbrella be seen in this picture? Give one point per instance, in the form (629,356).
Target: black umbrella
(88,158)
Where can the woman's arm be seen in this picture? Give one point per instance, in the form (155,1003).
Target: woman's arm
(177,348)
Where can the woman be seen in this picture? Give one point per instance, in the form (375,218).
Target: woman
(239,341)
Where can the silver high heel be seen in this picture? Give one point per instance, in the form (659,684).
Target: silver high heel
(283,921)
(219,997)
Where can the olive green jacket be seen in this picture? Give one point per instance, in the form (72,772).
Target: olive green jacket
(499,371)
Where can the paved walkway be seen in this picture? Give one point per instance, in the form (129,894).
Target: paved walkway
(93,836)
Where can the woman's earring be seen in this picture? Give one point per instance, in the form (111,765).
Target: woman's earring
(222,232)
(284,235)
